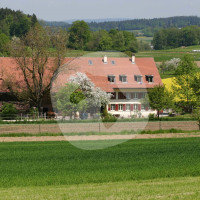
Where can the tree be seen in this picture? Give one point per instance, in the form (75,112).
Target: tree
(36,64)
(69,100)
(79,95)
(95,96)
(160,98)
(3,43)
(79,35)
(185,72)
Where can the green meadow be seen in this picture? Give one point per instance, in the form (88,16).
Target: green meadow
(137,169)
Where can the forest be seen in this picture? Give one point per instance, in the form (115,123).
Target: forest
(176,37)
(147,27)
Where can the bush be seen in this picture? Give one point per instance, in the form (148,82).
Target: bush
(151,117)
(8,112)
(109,118)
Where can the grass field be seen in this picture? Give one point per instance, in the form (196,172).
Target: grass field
(158,55)
(168,188)
(58,168)
(145,39)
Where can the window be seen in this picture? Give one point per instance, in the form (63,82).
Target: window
(149,78)
(111,78)
(138,78)
(135,95)
(113,95)
(128,107)
(120,106)
(121,95)
(143,94)
(90,62)
(112,62)
(112,107)
(128,95)
(123,78)
(142,107)
(135,106)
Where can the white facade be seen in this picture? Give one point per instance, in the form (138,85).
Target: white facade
(129,104)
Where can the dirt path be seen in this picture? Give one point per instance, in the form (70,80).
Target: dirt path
(95,137)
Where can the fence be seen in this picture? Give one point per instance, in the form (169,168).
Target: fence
(96,127)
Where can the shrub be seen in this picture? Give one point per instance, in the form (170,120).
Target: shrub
(151,117)
(8,112)
(109,118)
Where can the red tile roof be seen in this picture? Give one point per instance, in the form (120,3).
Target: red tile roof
(97,72)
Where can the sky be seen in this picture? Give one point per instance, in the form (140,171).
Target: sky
(61,10)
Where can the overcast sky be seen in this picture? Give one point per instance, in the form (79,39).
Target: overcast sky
(60,10)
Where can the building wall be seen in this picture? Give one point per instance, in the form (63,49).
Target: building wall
(130,105)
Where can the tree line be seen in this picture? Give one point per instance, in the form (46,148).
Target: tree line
(13,23)
(176,37)
(146,26)
(80,37)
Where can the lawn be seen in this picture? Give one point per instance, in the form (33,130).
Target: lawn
(137,168)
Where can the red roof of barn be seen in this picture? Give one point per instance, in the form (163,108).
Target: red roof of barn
(98,71)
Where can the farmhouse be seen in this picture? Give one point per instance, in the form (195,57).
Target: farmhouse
(128,79)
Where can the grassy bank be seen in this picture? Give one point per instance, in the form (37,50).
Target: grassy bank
(161,131)
(60,163)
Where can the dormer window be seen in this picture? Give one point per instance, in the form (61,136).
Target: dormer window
(138,78)
(149,78)
(123,78)
(112,62)
(111,78)
(90,62)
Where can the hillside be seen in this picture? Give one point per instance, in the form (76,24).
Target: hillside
(145,27)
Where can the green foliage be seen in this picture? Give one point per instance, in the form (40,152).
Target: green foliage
(79,35)
(160,98)
(15,23)
(69,100)
(4,40)
(112,40)
(175,37)
(8,111)
(182,87)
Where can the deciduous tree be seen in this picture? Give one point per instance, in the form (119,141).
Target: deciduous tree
(36,64)
(160,98)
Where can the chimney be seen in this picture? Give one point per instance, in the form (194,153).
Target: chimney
(105,59)
(133,58)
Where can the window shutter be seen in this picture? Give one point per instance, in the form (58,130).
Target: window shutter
(139,95)
(124,107)
(109,107)
(139,107)
(146,108)
(131,107)
(116,107)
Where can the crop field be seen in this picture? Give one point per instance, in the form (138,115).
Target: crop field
(138,169)
(158,55)
(145,39)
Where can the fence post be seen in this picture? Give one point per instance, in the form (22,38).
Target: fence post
(99,127)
